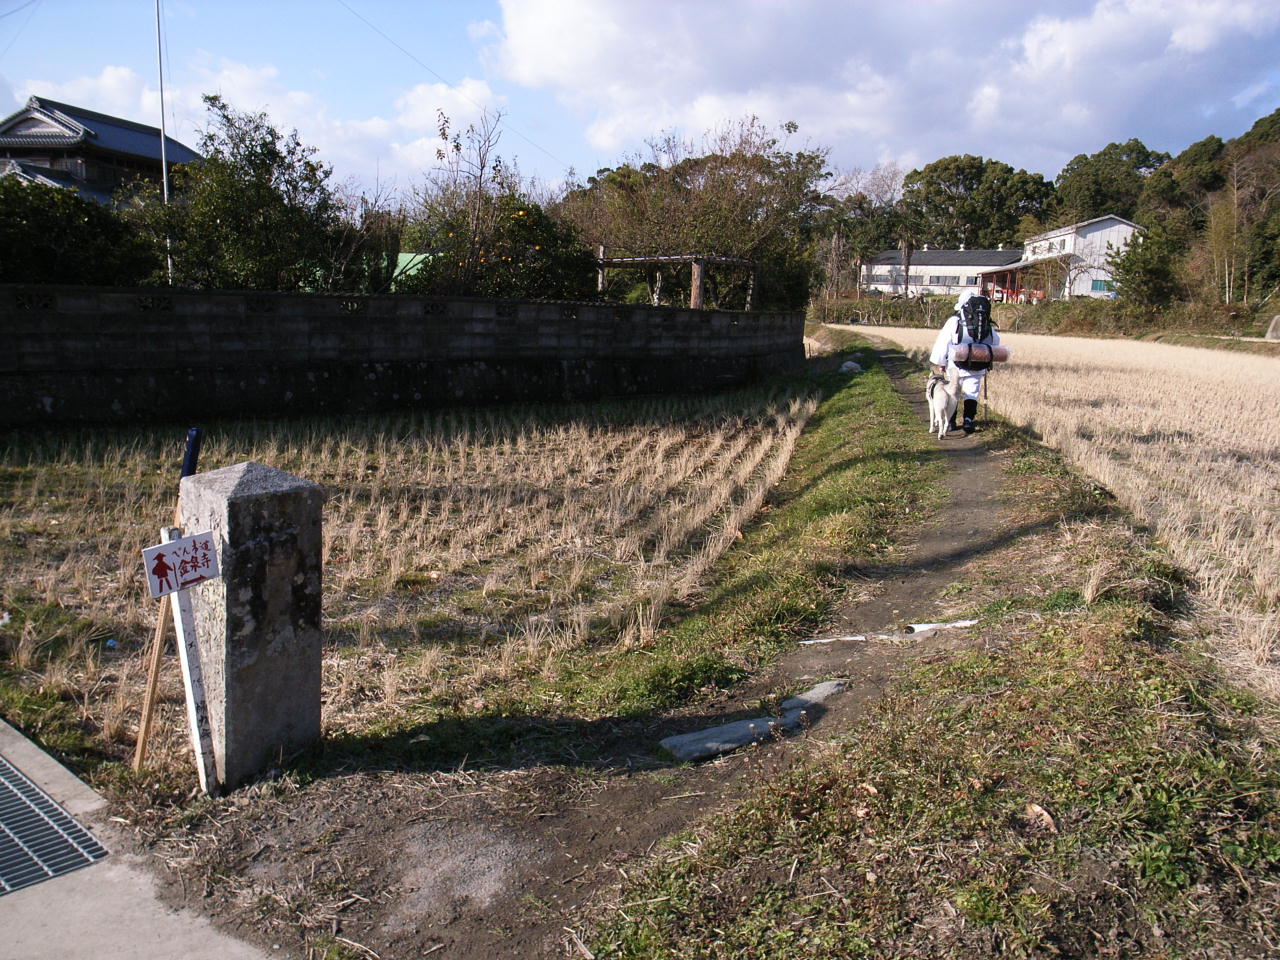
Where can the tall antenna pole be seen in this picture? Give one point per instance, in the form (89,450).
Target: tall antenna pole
(164,153)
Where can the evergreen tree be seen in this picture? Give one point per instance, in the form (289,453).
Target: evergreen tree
(1110,181)
(1143,270)
(257,213)
(53,235)
(966,200)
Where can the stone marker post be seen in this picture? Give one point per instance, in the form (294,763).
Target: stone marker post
(259,626)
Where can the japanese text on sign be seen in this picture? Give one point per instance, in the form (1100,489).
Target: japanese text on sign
(180,564)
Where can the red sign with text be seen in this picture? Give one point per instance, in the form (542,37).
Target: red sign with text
(180,564)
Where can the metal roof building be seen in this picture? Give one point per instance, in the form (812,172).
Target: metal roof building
(934,271)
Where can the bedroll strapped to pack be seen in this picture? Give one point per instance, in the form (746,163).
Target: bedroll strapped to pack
(975,321)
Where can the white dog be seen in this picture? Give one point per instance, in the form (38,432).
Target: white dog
(943,394)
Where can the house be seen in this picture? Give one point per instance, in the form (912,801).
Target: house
(67,146)
(934,271)
(1066,262)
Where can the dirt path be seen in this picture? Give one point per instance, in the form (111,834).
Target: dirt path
(497,865)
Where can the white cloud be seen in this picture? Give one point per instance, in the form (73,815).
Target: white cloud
(1202,25)
(481,30)
(1029,84)
(462,104)
(1252,93)
(116,90)
(8,95)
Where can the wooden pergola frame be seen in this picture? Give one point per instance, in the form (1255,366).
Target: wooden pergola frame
(697,292)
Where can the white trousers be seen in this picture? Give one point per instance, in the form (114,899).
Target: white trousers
(970,382)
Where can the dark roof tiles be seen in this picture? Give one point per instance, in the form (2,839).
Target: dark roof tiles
(34,173)
(96,129)
(950,258)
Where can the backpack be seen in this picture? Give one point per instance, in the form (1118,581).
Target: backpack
(974,320)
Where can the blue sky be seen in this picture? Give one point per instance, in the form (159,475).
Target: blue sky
(584,83)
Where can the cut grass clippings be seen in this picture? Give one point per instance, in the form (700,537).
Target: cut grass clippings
(1080,785)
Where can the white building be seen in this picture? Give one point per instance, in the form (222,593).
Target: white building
(934,271)
(1066,262)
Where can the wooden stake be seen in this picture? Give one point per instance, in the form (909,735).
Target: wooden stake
(190,457)
(153,685)
(697,294)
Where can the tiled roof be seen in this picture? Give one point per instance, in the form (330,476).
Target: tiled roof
(950,258)
(33,173)
(95,129)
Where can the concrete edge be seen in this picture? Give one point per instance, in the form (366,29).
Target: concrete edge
(69,791)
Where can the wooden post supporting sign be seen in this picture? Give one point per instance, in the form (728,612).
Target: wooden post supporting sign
(190,458)
(173,566)
(184,623)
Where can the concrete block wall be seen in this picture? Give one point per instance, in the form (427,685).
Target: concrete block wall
(113,354)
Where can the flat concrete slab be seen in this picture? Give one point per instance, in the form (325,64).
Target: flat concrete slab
(108,909)
(703,744)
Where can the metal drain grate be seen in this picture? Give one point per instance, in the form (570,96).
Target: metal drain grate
(38,839)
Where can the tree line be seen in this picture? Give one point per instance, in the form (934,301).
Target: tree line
(260,211)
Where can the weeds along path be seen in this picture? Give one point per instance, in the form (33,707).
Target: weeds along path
(1187,438)
(1071,779)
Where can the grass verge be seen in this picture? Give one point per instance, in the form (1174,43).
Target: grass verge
(1075,784)
(858,478)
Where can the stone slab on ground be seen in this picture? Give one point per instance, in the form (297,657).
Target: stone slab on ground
(703,744)
(823,691)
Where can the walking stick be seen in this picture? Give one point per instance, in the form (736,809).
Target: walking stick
(190,456)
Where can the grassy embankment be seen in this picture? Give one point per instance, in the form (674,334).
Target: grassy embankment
(1080,783)
(1188,440)
(492,577)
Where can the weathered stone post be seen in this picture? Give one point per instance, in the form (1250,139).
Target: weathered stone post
(258,626)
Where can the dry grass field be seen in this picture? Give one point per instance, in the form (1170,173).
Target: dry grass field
(1188,439)
(462,549)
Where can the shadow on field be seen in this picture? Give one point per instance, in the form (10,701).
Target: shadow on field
(516,741)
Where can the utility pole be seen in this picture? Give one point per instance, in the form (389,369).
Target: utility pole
(164,153)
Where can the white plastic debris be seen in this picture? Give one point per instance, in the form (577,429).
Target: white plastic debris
(922,627)
(856,637)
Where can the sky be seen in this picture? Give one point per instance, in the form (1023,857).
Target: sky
(585,84)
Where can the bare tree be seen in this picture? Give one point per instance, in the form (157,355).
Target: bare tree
(452,201)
